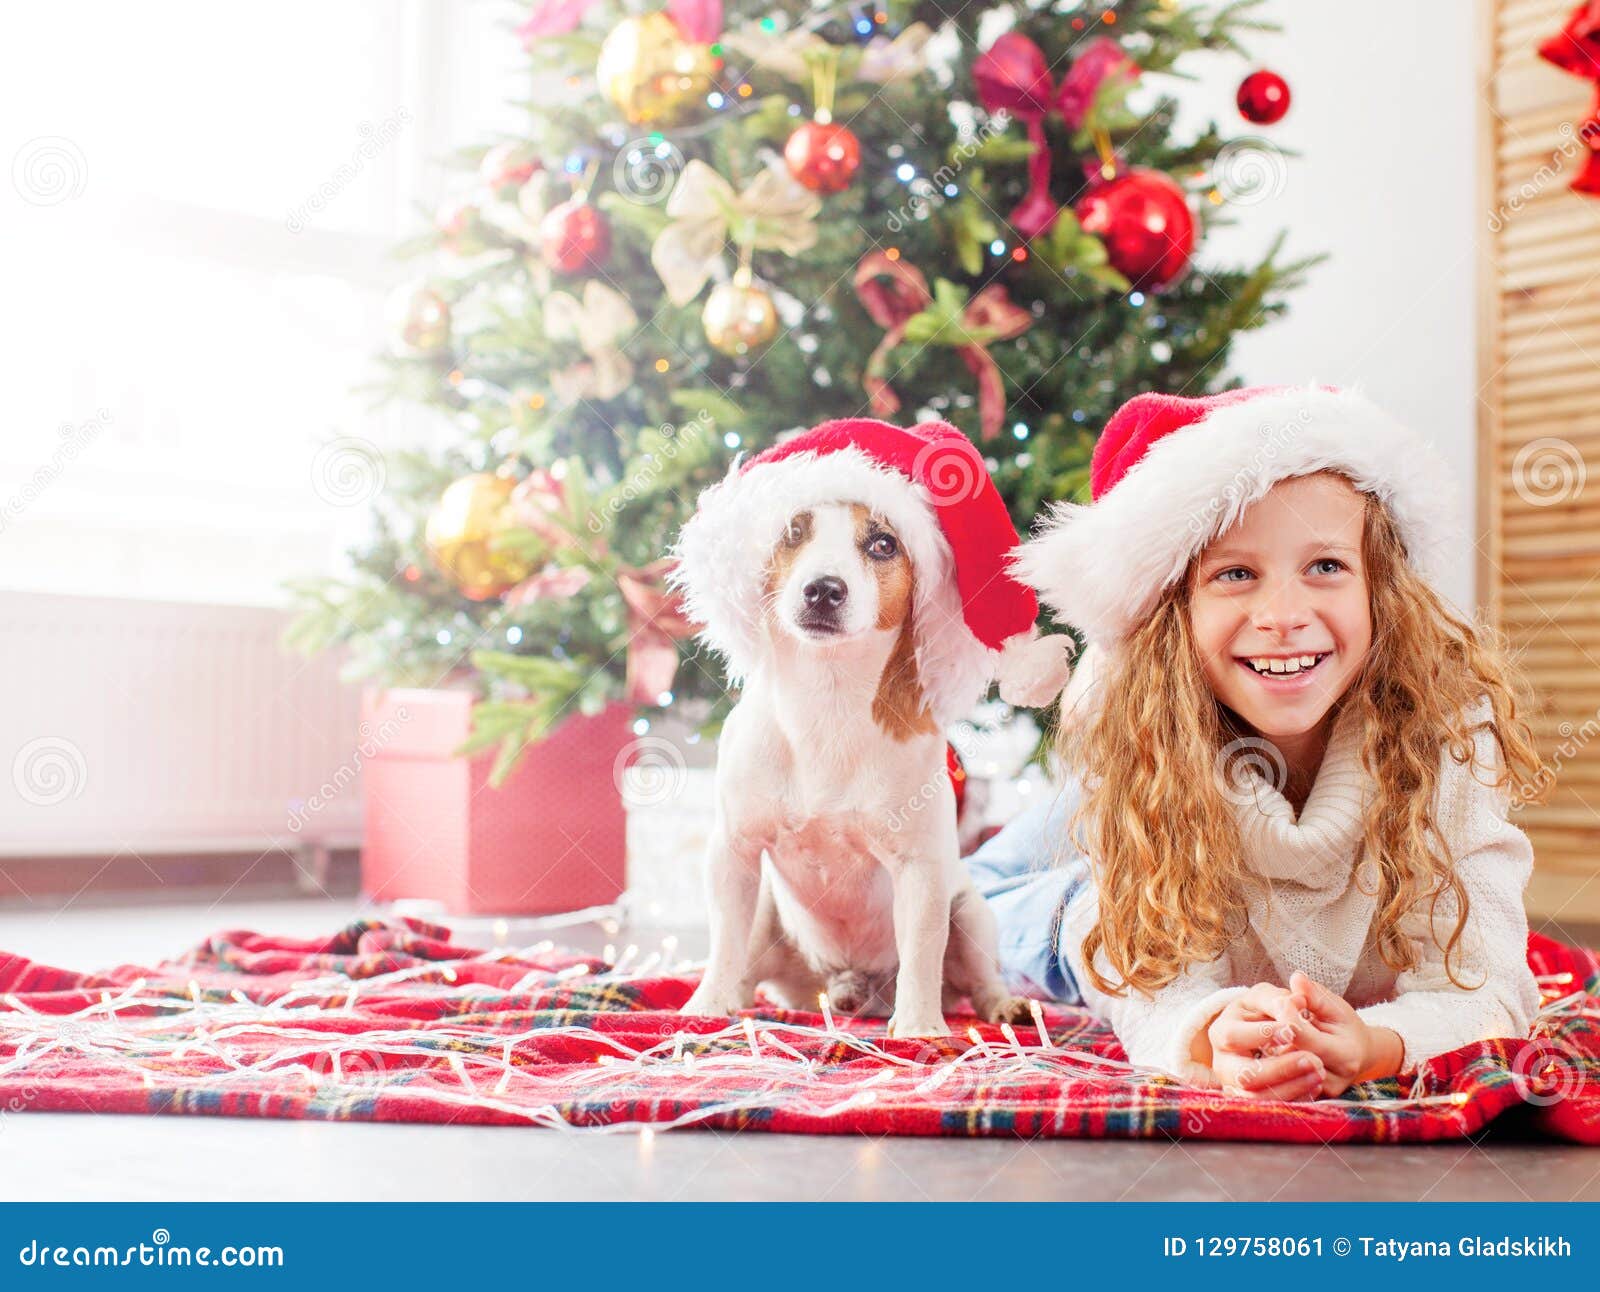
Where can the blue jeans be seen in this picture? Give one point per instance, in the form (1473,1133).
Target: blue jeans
(1028,873)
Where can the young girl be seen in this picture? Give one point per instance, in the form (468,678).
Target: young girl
(1283,863)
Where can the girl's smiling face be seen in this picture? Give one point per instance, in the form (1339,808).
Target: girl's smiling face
(1279,608)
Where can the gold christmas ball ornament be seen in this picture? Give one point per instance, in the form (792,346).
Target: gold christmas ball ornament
(419,321)
(739,317)
(461,534)
(651,72)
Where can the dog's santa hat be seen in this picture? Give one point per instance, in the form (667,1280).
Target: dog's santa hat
(972,621)
(1169,474)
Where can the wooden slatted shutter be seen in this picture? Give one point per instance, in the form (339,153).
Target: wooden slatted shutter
(1539,431)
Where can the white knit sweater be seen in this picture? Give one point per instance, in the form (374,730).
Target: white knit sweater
(1308,912)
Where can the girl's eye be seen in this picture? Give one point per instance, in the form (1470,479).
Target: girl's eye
(1227,576)
(1327,565)
(882,546)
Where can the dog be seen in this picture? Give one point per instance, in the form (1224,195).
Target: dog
(833,865)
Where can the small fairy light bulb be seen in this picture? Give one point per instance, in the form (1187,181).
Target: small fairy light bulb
(647,1141)
(1037,1010)
(827,1013)
(502,930)
(1010,1033)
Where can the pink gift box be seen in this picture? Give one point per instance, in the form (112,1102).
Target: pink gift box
(552,838)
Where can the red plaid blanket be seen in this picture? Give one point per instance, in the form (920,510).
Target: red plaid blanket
(391,1021)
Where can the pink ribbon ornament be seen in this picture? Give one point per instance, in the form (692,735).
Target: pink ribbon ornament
(893,292)
(656,624)
(1011,76)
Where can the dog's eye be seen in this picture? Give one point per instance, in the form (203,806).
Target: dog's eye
(798,530)
(882,546)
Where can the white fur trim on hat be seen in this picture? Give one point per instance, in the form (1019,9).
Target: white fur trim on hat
(1033,669)
(1102,568)
(723,549)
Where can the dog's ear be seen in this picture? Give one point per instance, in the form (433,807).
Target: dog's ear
(900,706)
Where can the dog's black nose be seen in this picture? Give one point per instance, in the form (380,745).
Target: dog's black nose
(826,593)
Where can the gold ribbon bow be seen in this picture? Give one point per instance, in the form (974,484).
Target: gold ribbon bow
(884,61)
(772,213)
(597,323)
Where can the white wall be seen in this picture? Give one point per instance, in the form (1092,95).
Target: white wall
(1384,119)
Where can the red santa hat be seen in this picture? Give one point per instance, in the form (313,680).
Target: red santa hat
(973,622)
(1169,474)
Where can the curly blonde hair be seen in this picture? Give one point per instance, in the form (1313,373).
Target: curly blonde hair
(1165,841)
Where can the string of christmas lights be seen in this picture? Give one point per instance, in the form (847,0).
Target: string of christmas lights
(123,1029)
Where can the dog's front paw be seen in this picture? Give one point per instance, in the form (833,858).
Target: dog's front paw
(901,1026)
(712,1003)
(1004,1009)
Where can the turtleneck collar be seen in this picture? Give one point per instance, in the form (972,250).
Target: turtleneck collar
(1301,870)
(1316,849)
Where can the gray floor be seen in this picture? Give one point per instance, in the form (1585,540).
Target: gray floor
(60,1156)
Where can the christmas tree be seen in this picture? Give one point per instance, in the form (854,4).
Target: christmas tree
(726,222)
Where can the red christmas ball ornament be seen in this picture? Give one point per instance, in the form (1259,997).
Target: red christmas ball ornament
(823,155)
(574,236)
(1263,98)
(1144,219)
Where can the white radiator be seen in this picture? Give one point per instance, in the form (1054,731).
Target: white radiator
(157,727)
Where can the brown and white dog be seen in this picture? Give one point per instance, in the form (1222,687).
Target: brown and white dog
(826,581)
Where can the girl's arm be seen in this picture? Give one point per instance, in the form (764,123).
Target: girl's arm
(1166,1030)
(1430,1013)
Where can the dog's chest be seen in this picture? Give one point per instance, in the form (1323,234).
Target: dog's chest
(833,864)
